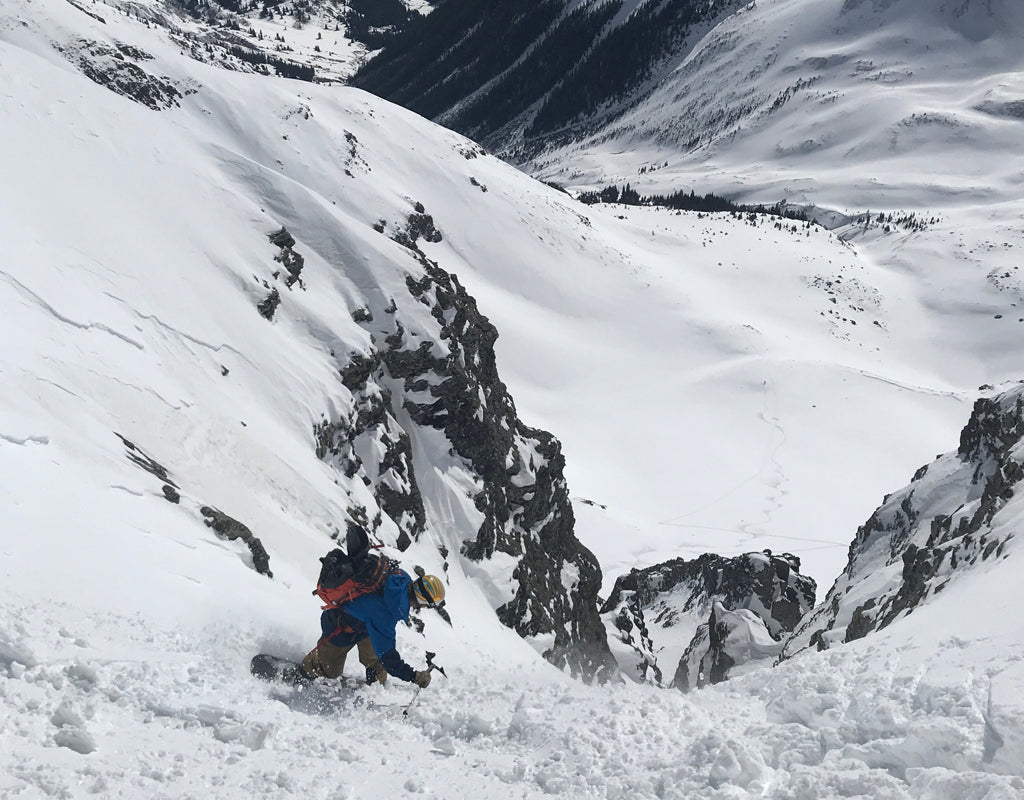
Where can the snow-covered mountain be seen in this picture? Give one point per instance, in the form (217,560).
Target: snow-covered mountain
(768,98)
(342,338)
(240,310)
(857,105)
(322,41)
(522,73)
(891,123)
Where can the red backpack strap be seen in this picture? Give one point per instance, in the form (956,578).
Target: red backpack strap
(363,582)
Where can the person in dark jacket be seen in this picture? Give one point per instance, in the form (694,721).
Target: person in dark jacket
(368,623)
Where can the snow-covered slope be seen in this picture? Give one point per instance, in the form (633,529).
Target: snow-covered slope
(863,105)
(157,301)
(904,109)
(712,380)
(959,516)
(717,375)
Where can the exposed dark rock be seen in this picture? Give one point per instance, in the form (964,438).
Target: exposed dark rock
(86,11)
(449,381)
(116,69)
(373,429)
(268,305)
(140,459)
(721,661)
(282,239)
(229,528)
(225,526)
(292,261)
(419,225)
(657,610)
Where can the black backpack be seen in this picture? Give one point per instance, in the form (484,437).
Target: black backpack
(353,572)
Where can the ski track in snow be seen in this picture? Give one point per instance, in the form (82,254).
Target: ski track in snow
(213,348)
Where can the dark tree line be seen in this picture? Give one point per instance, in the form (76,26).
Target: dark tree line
(482,64)
(286,69)
(376,23)
(687,201)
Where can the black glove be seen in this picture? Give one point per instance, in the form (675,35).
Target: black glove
(376,674)
(422,679)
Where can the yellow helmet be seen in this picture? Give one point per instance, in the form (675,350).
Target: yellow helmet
(428,589)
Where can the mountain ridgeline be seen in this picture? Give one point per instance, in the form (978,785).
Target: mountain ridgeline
(676,623)
(501,72)
(958,514)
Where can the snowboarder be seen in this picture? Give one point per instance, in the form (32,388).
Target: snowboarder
(368,623)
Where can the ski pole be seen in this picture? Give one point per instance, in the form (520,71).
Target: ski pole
(405,713)
(430,667)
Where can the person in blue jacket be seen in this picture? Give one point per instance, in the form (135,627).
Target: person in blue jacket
(368,623)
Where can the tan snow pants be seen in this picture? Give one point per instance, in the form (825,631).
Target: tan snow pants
(327,661)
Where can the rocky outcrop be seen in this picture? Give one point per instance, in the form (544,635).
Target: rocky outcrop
(118,68)
(292,261)
(729,639)
(268,305)
(444,378)
(286,256)
(230,529)
(370,443)
(225,527)
(685,623)
(930,533)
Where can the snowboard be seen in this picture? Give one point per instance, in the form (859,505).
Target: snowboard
(271,668)
(321,696)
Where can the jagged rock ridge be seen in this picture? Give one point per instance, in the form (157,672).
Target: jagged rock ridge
(525,517)
(934,531)
(675,617)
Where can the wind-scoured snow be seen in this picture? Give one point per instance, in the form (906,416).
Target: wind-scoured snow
(718,384)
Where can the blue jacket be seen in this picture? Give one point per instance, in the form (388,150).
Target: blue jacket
(376,616)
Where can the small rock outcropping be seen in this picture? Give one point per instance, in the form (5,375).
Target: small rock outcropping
(930,533)
(230,529)
(686,623)
(292,262)
(227,528)
(287,257)
(118,68)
